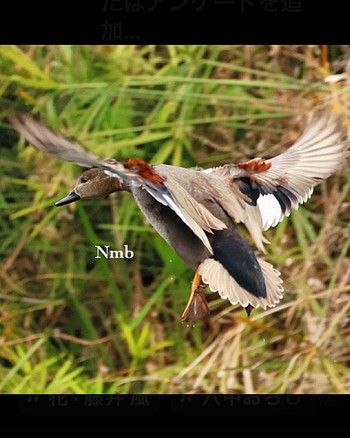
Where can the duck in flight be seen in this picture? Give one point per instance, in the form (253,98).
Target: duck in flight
(197,210)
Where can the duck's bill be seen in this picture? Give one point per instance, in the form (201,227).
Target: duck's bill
(72,197)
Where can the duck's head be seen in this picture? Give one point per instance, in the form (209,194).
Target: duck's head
(92,183)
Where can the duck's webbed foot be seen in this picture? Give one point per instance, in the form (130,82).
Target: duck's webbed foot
(248,309)
(197,306)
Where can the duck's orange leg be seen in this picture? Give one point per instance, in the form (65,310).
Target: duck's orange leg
(197,307)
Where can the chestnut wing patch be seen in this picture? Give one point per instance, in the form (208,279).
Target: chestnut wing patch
(144,169)
(256,165)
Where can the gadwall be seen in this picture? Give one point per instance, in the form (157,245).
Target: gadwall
(196,210)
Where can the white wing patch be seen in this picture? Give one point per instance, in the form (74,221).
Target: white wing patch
(270,210)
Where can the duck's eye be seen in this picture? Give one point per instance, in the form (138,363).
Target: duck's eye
(83,179)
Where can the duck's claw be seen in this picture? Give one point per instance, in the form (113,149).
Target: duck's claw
(197,306)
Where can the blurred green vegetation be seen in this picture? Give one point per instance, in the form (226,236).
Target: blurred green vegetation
(70,323)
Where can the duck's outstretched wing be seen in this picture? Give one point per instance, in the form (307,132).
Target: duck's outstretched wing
(133,172)
(52,143)
(276,186)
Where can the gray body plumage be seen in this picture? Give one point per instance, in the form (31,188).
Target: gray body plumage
(168,224)
(230,248)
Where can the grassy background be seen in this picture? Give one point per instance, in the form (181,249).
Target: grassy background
(72,324)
